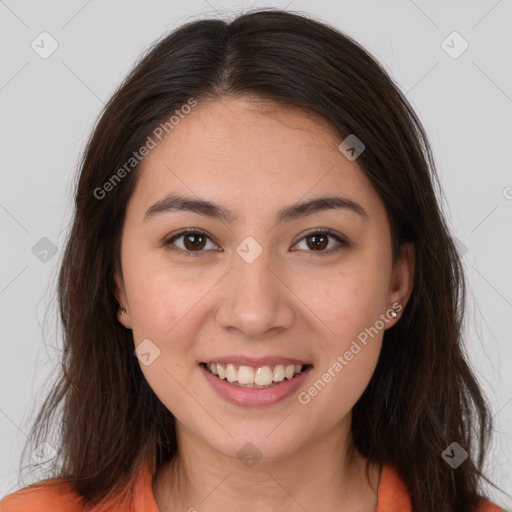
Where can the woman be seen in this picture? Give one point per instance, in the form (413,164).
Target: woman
(261,300)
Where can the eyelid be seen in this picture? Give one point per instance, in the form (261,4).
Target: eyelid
(168,241)
(341,239)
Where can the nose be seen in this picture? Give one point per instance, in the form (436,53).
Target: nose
(255,298)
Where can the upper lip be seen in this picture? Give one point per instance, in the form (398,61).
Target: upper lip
(256,361)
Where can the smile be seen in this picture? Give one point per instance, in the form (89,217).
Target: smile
(277,382)
(252,377)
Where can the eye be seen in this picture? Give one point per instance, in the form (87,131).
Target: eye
(320,240)
(195,240)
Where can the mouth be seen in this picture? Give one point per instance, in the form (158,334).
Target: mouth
(252,377)
(258,385)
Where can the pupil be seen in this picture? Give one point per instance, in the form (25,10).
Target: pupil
(315,241)
(194,245)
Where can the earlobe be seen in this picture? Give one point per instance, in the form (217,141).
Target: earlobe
(119,290)
(124,318)
(403,278)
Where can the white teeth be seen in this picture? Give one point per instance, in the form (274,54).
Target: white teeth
(231,373)
(278,373)
(263,376)
(289,371)
(245,375)
(248,376)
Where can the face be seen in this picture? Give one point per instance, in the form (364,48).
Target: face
(257,289)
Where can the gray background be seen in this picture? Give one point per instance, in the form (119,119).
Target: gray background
(48,107)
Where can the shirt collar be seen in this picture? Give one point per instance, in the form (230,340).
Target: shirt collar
(393,495)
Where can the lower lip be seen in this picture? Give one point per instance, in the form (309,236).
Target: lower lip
(254,396)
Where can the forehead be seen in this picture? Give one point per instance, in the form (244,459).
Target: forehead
(248,150)
(226,129)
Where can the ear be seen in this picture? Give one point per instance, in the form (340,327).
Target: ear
(402,279)
(120,293)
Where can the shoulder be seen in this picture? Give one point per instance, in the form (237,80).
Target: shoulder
(394,495)
(485,506)
(58,495)
(45,496)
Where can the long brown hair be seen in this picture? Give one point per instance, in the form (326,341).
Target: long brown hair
(423,395)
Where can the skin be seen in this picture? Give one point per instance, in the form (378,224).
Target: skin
(292,301)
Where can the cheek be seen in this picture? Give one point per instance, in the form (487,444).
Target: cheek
(349,384)
(348,363)
(350,300)
(162,306)
(349,306)
(161,300)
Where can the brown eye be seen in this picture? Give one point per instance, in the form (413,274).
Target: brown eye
(193,242)
(318,240)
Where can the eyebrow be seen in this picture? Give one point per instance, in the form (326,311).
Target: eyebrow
(173,203)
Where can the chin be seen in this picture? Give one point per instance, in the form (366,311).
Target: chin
(256,444)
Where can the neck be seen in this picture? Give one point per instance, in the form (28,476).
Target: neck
(327,474)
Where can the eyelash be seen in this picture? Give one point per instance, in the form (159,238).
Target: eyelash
(317,231)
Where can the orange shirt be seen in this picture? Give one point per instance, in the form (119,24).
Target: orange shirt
(392,497)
